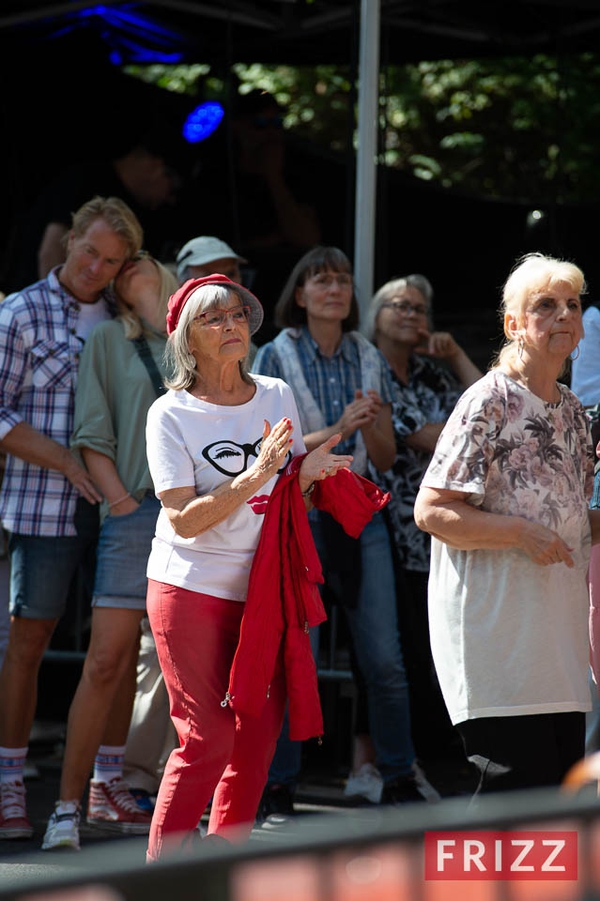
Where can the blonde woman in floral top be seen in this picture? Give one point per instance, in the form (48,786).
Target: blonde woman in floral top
(505,499)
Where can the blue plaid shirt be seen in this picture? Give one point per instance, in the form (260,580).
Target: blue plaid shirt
(332,380)
(39,359)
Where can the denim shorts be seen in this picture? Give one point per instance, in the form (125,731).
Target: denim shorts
(43,569)
(123,550)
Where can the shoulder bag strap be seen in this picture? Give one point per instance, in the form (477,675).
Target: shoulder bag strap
(141,345)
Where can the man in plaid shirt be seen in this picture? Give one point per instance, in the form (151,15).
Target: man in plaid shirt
(48,500)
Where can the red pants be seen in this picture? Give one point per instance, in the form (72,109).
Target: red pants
(220,755)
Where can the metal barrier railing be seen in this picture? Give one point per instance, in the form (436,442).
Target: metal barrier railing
(376,855)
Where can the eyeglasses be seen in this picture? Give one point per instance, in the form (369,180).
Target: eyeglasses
(405,307)
(216,318)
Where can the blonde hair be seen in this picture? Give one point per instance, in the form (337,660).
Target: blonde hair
(132,323)
(531,275)
(117,215)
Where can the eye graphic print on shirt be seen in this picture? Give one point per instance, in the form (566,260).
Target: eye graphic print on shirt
(231,459)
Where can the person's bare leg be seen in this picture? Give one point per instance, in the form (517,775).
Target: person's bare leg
(113,645)
(363,751)
(27,642)
(119,720)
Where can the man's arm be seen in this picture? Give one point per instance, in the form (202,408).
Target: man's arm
(28,444)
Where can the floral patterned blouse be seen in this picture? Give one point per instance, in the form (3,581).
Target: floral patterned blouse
(513,453)
(508,636)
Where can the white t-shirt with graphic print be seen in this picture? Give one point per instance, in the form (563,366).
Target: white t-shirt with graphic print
(193,443)
(510,637)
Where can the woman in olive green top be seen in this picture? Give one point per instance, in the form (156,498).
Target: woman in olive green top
(119,378)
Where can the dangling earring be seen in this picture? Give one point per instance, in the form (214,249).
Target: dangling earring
(520,346)
(578,349)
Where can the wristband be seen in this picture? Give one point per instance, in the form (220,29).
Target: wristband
(114,503)
(309,490)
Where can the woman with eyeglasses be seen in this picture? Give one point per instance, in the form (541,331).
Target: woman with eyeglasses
(429,373)
(232,573)
(114,392)
(343,387)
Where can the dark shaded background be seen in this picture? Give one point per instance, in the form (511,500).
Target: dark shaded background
(63,100)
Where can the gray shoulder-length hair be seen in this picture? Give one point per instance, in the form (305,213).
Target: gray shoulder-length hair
(391,290)
(181,362)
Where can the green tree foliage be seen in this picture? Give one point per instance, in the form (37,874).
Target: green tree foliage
(510,127)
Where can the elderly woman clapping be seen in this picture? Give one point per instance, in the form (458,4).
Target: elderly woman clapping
(506,501)
(219,442)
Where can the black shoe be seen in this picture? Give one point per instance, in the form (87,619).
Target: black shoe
(402,790)
(276,807)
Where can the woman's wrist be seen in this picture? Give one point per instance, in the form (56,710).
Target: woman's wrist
(307,492)
(306,480)
(339,427)
(119,500)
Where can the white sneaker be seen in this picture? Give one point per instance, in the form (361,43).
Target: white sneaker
(62,831)
(425,787)
(366,783)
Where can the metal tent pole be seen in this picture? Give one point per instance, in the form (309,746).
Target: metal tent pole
(366,172)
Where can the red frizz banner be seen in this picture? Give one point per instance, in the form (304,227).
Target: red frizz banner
(509,855)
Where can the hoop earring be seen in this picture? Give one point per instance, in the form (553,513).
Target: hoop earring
(578,349)
(520,346)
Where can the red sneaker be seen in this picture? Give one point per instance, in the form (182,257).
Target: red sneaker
(13,813)
(111,805)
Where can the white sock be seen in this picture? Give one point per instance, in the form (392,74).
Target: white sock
(108,764)
(12,761)
(69,807)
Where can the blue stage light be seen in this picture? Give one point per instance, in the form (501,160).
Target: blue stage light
(202,121)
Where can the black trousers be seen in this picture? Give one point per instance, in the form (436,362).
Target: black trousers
(513,752)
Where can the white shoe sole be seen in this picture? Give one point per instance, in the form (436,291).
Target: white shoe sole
(61,845)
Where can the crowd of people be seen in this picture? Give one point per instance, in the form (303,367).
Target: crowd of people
(216,497)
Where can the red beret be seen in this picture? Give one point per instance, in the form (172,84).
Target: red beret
(178,300)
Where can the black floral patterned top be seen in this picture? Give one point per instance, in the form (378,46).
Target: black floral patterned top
(430,396)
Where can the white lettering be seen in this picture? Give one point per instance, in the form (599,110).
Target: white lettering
(558,844)
(473,852)
(498,855)
(527,845)
(442,854)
